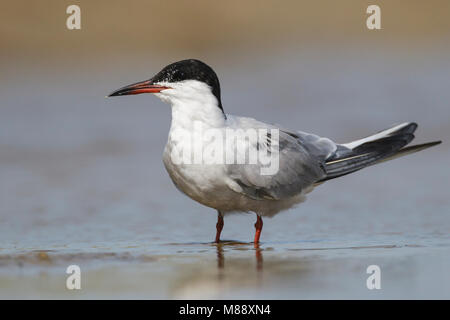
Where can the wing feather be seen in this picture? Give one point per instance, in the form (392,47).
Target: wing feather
(301,159)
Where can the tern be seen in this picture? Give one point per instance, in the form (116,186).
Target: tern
(304,160)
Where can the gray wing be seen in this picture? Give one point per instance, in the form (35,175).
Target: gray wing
(301,162)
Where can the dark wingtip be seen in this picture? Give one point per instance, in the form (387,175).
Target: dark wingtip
(414,125)
(419,147)
(434,143)
(409,128)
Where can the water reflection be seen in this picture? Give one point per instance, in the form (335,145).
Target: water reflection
(221,257)
(259,258)
(231,264)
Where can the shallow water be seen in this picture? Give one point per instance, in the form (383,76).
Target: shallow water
(82,183)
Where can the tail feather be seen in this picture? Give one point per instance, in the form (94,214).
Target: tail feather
(411,149)
(385,145)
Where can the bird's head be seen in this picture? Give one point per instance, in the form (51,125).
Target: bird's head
(183,81)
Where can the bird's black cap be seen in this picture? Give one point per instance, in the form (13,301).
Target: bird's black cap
(190,69)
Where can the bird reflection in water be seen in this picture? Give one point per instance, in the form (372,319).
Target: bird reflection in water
(221,257)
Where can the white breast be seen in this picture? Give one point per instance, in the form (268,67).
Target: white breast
(205,183)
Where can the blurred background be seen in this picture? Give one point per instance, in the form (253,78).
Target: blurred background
(81,176)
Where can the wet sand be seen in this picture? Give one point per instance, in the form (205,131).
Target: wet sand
(230,270)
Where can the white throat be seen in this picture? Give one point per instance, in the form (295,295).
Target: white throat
(192,101)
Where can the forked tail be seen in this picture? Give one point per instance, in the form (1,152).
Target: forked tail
(385,145)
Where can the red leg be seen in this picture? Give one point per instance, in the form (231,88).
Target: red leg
(219,226)
(258,227)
